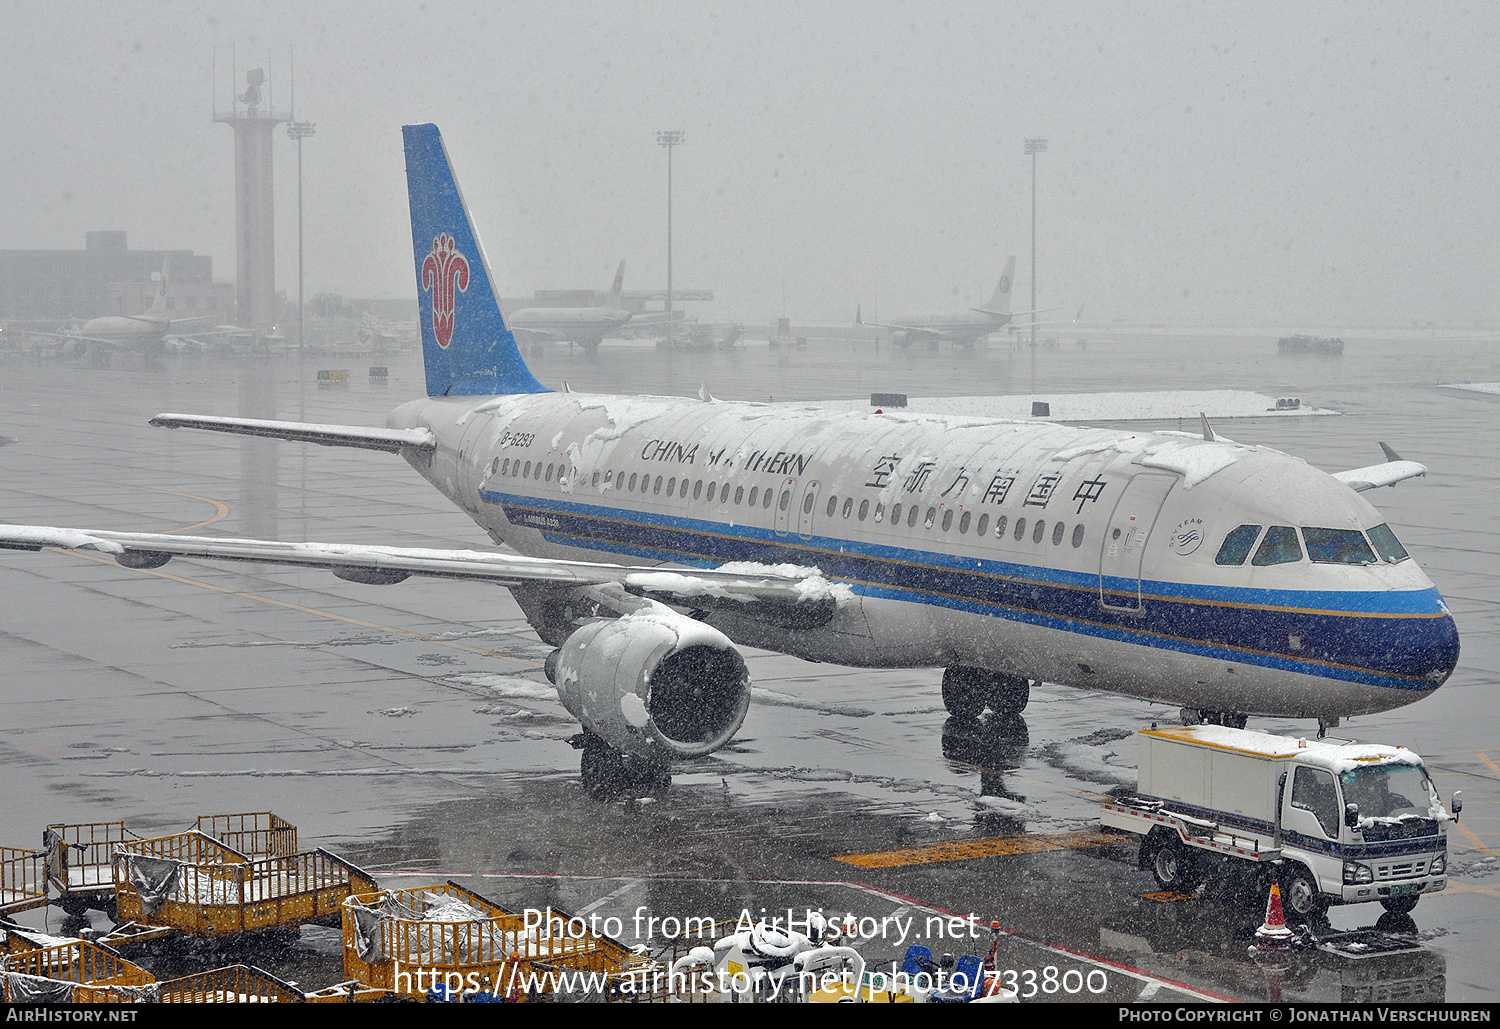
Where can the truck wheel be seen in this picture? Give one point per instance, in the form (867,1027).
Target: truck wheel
(1175,866)
(1400,905)
(1300,896)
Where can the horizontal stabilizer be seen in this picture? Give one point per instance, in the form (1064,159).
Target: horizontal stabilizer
(790,594)
(363,437)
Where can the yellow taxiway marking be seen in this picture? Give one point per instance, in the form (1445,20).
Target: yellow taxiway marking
(1474,841)
(1169,897)
(1485,758)
(980,847)
(1455,887)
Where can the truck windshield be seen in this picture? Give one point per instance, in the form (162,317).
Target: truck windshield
(1390,791)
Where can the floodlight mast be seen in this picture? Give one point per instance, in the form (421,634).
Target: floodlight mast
(1034,147)
(671,139)
(300,130)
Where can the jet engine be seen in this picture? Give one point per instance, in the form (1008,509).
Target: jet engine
(654,684)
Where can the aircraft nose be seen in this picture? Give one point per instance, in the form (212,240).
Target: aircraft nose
(1424,649)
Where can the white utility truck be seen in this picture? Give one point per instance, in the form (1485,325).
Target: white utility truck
(1335,822)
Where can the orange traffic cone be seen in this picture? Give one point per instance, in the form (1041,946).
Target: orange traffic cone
(1273,930)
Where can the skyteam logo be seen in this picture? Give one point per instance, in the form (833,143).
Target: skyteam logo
(1187,537)
(1005,283)
(444,271)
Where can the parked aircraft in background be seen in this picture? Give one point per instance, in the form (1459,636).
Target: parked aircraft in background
(586,326)
(653,536)
(962,328)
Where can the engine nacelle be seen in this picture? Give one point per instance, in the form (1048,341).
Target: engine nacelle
(654,683)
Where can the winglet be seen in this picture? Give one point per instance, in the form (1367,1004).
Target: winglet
(1391,455)
(858,316)
(1208,430)
(618,286)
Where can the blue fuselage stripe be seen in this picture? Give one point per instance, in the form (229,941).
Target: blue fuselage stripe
(1376,638)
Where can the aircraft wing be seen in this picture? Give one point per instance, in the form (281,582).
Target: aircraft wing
(365,438)
(1377,475)
(1395,469)
(790,595)
(535,335)
(915,330)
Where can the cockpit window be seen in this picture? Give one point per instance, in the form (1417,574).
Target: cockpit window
(1279,547)
(1337,547)
(1387,545)
(1237,545)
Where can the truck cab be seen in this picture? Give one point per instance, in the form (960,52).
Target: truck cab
(1367,828)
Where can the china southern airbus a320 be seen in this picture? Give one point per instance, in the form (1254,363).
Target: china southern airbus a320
(653,536)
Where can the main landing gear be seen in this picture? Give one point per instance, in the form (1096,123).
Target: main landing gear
(609,774)
(968,691)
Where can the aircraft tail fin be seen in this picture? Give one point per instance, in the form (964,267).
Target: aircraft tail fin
(618,286)
(158,308)
(999,301)
(466,347)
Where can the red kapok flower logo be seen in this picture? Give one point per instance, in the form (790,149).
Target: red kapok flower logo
(444,270)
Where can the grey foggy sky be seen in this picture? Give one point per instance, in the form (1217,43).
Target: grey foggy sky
(1275,163)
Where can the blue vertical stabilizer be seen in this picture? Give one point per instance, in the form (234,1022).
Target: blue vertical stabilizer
(466,347)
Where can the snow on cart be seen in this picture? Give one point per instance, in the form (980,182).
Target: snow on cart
(413,941)
(192,882)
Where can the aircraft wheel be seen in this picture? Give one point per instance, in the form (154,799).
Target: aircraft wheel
(603,770)
(1009,694)
(1175,866)
(1400,905)
(963,692)
(1300,897)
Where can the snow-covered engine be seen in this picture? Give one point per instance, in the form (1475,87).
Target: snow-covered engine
(653,683)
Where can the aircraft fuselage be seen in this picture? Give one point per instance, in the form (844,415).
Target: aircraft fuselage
(1088,557)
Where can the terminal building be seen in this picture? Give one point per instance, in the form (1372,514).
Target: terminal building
(107,278)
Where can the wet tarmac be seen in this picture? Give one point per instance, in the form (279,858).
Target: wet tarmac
(409,728)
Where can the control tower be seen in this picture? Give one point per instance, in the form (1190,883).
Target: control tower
(253,118)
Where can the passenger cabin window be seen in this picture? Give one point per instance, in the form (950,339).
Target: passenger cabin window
(1337,547)
(1020,529)
(864,509)
(911,516)
(1279,547)
(1237,544)
(963,522)
(1077,536)
(1387,545)
(1057,534)
(765,498)
(895,514)
(984,524)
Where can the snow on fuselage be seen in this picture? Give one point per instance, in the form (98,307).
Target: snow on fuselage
(1088,557)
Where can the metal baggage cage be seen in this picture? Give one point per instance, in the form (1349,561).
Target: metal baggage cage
(232,984)
(194,883)
(252,833)
(23,880)
(76,971)
(79,858)
(407,941)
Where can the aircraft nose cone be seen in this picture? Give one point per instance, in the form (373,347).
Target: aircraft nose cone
(1424,649)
